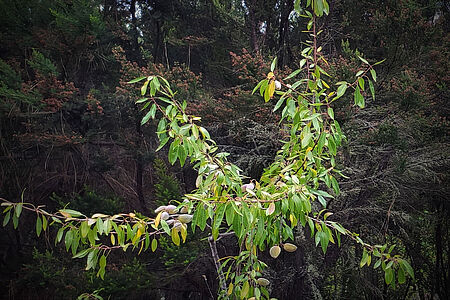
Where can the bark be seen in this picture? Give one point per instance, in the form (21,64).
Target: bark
(287,7)
(251,5)
(157,46)
(139,163)
(134,33)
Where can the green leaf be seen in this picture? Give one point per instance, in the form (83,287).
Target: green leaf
(102,262)
(144,88)
(359,99)
(162,143)
(44,222)
(318,7)
(322,201)
(70,213)
(6,219)
(137,79)
(182,154)
(391,248)
(293,74)
(141,100)
(19,209)
(146,117)
(372,90)
(361,83)
(156,83)
(321,141)
(245,289)
(374,74)
(257,86)
(364,258)
(204,133)
(263,86)
(100,226)
(331,112)
(92,260)
(273,65)
(359,73)
(15,221)
(388,275)
(82,253)
(401,276)
(165,227)
(340,91)
(407,267)
(278,105)
(298,10)
(326,7)
(38,226)
(332,145)
(175,237)
(306,139)
(363,60)
(377,264)
(154,245)
(68,239)
(59,235)
(173,153)
(84,229)
(379,62)
(335,185)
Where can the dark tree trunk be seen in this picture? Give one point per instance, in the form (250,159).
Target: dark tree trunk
(157,42)
(253,22)
(139,162)
(134,33)
(287,7)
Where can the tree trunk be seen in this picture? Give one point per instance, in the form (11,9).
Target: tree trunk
(139,162)
(287,7)
(134,33)
(251,5)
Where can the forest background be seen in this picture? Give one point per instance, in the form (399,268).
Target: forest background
(71,136)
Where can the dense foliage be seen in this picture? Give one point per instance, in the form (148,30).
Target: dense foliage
(72,138)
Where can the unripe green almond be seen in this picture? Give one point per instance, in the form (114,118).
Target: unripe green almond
(171,209)
(263,281)
(184,210)
(161,208)
(275,251)
(252,298)
(185,218)
(289,247)
(177,226)
(165,216)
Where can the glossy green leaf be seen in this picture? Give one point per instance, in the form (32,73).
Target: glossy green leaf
(44,222)
(372,90)
(18,209)
(82,253)
(38,226)
(137,79)
(401,276)
(374,75)
(388,276)
(407,267)
(154,245)
(273,65)
(6,219)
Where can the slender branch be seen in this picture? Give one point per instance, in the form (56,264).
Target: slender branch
(215,256)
